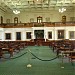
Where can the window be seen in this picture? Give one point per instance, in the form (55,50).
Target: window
(18,35)
(71,34)
(60,34)
(8,21)
(49,35)
(72,19)
(31,20)
(7,36)
(28,35)
(16,20)
(1,19)
(39,19)
(47,19)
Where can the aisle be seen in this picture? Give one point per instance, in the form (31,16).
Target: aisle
(18,66)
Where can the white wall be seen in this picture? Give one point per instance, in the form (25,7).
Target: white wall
(23,31)
(24,17)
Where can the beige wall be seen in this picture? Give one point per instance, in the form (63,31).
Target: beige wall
(2,13)
(25,17)
(54,16)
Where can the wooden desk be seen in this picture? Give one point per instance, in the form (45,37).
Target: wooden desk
(10,51)
(39,41)
(68,54)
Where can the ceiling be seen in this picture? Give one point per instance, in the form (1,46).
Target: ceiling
(24,5)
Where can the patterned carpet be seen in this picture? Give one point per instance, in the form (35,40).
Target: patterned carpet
(40,59)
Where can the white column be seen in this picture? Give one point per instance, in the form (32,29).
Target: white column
(2,36)
(66,34)
(33,36)
(13,36)
(45,34)
(23,36)
(56,34)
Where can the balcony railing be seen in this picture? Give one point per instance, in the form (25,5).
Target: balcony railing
(35,24)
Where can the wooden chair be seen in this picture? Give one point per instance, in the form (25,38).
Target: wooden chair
(72,57)
(1,53)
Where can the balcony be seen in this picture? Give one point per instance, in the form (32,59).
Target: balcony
(35,24)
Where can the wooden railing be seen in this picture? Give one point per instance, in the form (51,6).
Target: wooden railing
(35,24)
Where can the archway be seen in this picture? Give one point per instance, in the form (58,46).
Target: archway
(39,34)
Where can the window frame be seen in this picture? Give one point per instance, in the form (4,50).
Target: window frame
(28,35)
(50,35)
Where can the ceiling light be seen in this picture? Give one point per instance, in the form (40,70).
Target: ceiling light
(62,10)
(16,11)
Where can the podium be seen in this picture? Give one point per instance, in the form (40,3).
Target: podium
(39,42)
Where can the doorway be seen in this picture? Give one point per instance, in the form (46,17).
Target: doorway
(39,34)
(39,19)
(18,35)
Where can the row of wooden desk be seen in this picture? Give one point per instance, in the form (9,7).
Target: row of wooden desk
(64,49)
(69,54)
(9,50)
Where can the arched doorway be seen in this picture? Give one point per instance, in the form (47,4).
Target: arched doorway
(39,37)
(39,34)
(39,19)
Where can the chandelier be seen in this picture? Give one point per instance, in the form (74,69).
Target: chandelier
(62,10)
(16,11)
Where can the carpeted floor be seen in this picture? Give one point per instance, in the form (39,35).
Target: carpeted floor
(40,59)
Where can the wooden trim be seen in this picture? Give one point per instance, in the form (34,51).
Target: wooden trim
(46,24)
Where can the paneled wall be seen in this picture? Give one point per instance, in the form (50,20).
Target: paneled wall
(53,30)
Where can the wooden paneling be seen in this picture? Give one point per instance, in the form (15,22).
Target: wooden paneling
(43,24)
